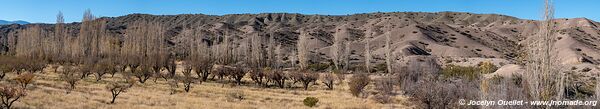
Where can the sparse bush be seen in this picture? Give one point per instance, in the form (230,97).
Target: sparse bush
(187,78)
(357,83)
(310,101)
(441,95)
(328,79)
(384,87)
(25,79)
(116,89)
(9,94)
(68,75)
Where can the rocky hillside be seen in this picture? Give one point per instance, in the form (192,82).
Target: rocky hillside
(450,35)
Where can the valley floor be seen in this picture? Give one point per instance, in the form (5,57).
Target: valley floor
(48,91)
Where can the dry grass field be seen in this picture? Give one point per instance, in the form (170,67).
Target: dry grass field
(48,92)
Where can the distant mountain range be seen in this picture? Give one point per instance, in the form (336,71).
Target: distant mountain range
(4,22)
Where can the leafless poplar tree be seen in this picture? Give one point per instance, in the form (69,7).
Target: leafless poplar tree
(542,66)
(303,51)
(144,46)
(30,43)
(339,50)
(201,56)
(388,52)
(368,53)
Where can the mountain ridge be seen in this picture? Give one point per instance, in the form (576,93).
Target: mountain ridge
(442,34)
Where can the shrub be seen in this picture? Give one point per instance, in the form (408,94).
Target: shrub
(382,98)
(310,101)
(116,89)
(25,79)
(357,83)
(328,79)
(384,87)
(487,67)
(187,78)
(318,66)
(10,94)
(143,73)
(68,75)
(470,73)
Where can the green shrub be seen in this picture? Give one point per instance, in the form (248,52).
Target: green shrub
(461,71)
(310,101)
(487,67)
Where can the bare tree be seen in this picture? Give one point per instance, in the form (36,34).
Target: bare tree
(187,78)
(328,79)
(116,89)
(338,49)
(68,75)
(306,77)
(271,52)
(10,94)
(368,53)
(144,49)
(542,65)
(29,43)
(388,52)
(276,76)
(201,56)
(226,50)
(303,51)
(597,88)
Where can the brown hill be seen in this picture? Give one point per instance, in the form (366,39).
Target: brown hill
(443,34)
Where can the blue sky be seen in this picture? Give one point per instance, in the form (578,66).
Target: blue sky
(44,11)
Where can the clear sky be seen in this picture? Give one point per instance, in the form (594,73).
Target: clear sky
(44,11)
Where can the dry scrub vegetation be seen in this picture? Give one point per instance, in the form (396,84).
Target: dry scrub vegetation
(96,69)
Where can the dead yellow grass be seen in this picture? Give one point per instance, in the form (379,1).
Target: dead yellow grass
(49,92)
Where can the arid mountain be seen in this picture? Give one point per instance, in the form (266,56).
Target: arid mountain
(451,35)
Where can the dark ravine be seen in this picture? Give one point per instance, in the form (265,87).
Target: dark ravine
(449,34)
